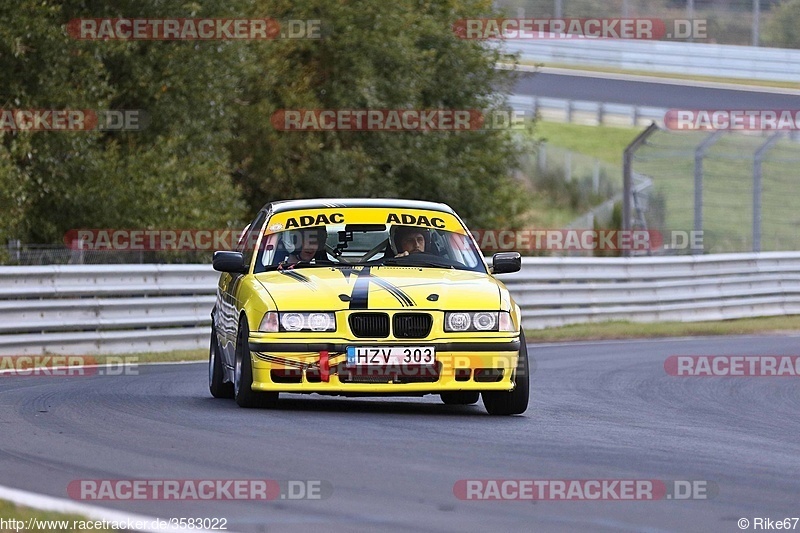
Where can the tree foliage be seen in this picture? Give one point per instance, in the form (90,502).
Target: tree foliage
(175,173)
(783,28)
(210,154)
(375,55)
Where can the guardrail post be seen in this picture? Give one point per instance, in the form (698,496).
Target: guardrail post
(627,176)
(757,187)
(14,248)
(76,252)
(569,111)
(601,113)
(568,166)
(542,157)
(756,22)
(699,155)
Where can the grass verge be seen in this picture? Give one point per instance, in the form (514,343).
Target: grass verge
(635,330)
(728,176)
(606,143)
(176,356)
(41,520)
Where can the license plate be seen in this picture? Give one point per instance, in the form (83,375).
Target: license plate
(390,355)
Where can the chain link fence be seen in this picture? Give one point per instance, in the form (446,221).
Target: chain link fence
(17,253)
(737,190)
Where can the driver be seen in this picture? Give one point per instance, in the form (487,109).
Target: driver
(409,240)
(307,243)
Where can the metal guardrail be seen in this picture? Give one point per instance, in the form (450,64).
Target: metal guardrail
(90,309)
(556,291)
(729,61)
(585,112)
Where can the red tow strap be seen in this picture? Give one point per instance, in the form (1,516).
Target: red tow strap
(324,367)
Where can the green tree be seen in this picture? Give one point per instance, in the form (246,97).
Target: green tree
(377,55)
(175,173)
(783,27)
(210,154)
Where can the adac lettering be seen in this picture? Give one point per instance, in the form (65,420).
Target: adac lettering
(308,220)
(412,220)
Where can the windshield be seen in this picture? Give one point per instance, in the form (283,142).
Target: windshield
(340,245)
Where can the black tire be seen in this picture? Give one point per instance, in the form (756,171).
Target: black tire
(464,397)
(243,375)
(515,402)
(216,376)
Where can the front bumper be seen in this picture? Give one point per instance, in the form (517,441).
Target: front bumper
(462,365)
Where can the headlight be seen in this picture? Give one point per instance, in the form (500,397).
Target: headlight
(457,321)
(485,321)
(478,321)
(321,322)
(293,322)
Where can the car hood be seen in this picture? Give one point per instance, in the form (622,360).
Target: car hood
(333,289)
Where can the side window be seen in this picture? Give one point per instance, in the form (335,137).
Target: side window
(247,245)
(269,245)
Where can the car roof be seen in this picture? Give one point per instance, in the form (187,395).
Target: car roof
(326,203)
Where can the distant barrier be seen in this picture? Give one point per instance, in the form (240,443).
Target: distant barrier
(698,59)
(584,112)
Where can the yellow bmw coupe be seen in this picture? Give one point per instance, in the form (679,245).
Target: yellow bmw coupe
(358,297)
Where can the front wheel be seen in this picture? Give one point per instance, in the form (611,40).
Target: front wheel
(516,401)
(244,395)
(216,375)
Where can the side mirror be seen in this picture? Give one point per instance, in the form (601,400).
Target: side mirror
(506,262)
(232,262)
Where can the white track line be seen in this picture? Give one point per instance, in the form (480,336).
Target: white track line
(91,512)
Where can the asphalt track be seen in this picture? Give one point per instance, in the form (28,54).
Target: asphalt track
(603,410)
(674,95)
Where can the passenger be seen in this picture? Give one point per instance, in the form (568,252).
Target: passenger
(306,244)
